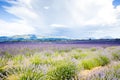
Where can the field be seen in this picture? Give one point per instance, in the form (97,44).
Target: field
(50,61)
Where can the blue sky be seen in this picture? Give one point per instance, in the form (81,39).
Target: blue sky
(62,18)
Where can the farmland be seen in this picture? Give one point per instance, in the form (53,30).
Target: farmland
(52,61)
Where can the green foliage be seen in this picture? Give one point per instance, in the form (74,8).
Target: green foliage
(101,60)
(56,54)
(117,67)
(63,71)
(24,73)
(28,54)
(62,64)
(48,61)
(116,56)
(7,54)
(3,63)
(79,55)
(90,63)
(12,77)
(79,50)
(31,75)
(18,58)
(63,50)
(48,54)
(104,60)
(80,66)
(36,59)
(93,49)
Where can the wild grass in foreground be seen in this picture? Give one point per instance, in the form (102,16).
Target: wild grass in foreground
(67,63)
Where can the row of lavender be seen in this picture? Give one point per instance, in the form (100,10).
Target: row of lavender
(22,47)
(50,61)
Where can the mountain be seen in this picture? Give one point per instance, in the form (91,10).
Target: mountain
(30,37)
(4,38)
(55,39)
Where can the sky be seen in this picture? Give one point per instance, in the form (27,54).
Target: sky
(63,18)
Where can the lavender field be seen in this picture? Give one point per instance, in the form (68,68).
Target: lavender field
(51,61)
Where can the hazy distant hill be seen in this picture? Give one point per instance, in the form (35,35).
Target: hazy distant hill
(30,37)
(38,38)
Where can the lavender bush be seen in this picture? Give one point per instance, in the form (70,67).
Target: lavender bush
(47,61)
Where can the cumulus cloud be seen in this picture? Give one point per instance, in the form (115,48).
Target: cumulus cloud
(14,28)
(92,12)
(91,18)
(27,13)
(57,25)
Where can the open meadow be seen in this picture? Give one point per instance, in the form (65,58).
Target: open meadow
(59,39)
(50,61)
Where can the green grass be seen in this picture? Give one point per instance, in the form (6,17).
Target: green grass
(79,55)
(116,56)
(25,73)
(31,75)
(95,62)
(90,63)
(62,71)
(93,49)
(18,58)
(7,54)
(63,64)
(36,59)
(3,63)
(104,60)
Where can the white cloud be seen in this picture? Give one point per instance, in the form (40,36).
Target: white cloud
(92,12)
(24,9)
(14,28)
(76,14)
(57,25)
(46,7)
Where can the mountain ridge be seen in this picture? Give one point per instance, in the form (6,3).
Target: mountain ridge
(30,37)
(55,39)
